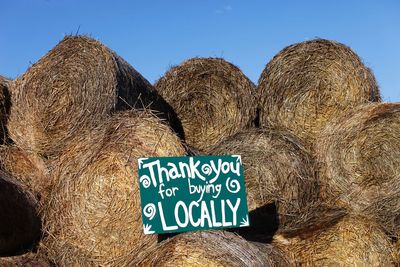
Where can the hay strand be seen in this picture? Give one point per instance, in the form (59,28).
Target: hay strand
(307,84)
(212,98)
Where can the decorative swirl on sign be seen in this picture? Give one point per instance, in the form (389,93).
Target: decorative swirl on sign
(145,181)
(206,169)
(232,186)
(149,211)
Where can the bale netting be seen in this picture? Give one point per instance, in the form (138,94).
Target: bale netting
(279,177)
(212,98)
(75,85)
(28,168)
(94,214)
(20,225)
(353,241)
(5,104)
(26,260)
(307,84)
(359,157)
(207,248)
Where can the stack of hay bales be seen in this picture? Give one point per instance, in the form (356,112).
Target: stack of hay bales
(212,98)
(321,165)
(207,248)
(307,84)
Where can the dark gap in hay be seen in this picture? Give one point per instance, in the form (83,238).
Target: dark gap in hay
(162,237)
(5,106)
(20,224)
(264,222)
(144,97)
(256,121)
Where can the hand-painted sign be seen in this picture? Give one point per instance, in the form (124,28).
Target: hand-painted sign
(180,194)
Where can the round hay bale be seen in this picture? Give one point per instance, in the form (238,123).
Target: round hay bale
(28,168)
(75,85)
(278,171)
(94,214)
(207,248)
(20,225)
(307,84)
(5,104)
(359,157)
(26,260)
(353,241)
(212,98)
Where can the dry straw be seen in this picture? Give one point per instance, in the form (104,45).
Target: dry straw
(28,168)
(20,224)
(359,154)
(212,98)
(4,107)
(353,241)
(94,214)
(209,248)
(26,260)
(307,84)
(76,85)
(278,171)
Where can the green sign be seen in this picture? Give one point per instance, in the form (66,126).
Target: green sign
(180,194)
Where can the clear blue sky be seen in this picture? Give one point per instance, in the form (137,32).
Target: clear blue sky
(153,35)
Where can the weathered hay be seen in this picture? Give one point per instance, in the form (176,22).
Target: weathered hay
(94,214)
(212,98)
(359,157)
(26,260)
(307,84)
(5,104)
(278,171)
(208,248)
(74,86)
(28,168)
(353,241)
(20,224)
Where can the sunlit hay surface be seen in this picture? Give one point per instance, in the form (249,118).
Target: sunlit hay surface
(209,248)
(20,223)
(359,157)
(277,170)
(307,84)
(76,85)
(94,215)
(353,241)
(212,98)
(28,168)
